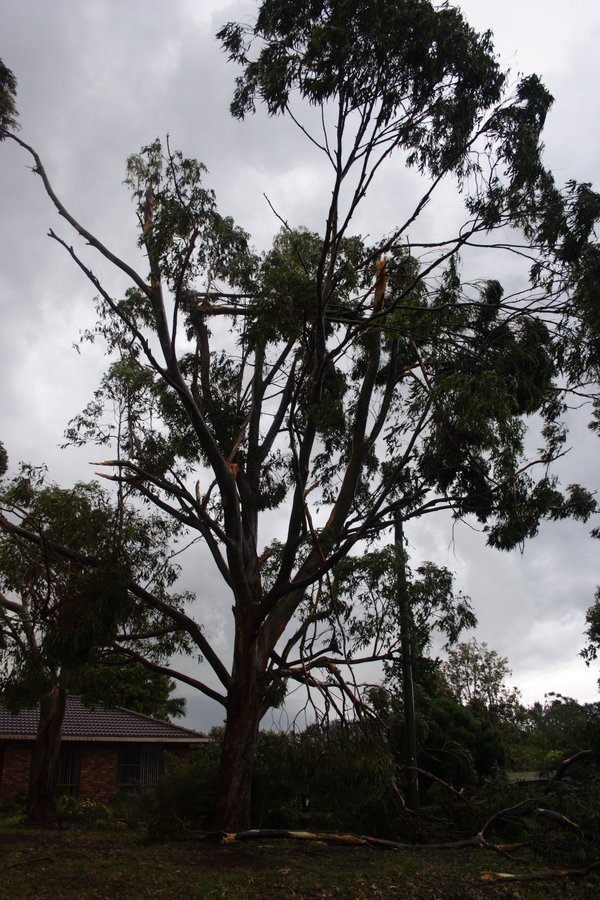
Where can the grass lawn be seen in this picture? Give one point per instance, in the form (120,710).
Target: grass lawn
(76,863)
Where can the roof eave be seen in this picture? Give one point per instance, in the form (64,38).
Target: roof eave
(105,739)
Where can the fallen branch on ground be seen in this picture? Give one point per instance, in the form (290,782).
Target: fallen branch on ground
(541,876)
(477,840)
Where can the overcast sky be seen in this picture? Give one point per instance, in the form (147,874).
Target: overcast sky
(100,78)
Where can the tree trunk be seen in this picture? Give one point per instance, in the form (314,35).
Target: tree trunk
(408,692)
(244,712)
(41,800)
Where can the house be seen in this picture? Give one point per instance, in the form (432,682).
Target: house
(104,751)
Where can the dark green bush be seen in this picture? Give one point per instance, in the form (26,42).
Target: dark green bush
(349,779)
(334,779)
(188,789)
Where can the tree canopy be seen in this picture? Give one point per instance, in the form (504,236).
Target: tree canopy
(118,681)
(8,107)
(58,612)
(68,561)
(339,385)
(477,678)
(592,619)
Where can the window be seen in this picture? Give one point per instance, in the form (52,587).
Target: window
(69,770)
(139,767)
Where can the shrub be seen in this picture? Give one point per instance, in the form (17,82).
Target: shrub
(88,812)
(188,789)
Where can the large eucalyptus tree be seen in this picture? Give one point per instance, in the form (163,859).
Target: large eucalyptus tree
(339,384)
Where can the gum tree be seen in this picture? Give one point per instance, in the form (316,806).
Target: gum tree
(334,385)
(477,678)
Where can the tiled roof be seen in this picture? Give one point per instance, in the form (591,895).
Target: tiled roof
(98,724)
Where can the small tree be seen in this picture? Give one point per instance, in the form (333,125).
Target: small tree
(355,384)
(477,678)
(60,613)
(379,604)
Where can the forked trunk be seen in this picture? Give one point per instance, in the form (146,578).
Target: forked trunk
(41,800)
(244,713)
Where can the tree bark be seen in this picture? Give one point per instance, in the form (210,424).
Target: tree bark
(41,799)
(244,712)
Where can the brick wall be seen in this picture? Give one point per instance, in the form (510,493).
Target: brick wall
(99,772)
(16,765)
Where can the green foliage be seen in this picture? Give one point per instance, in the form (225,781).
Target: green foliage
(122,682)
(365,608)
(334,778)
(477,677)
(421,71)
(349,778)
(278,781)
(284,307)
(69,608)
(357,385)
(578,800)
(180,227)
(557,729)
(592,618)
(8,94)
(13,808)
(84,812)
(187,792)
(457,744)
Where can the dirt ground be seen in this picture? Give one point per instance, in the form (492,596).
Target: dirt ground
(72,863)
